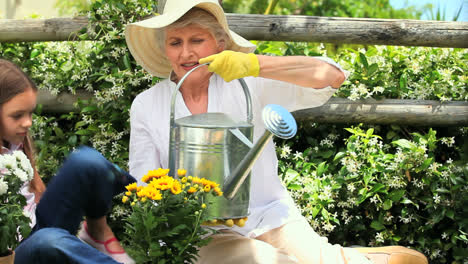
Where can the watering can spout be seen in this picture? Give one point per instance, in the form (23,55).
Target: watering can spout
(279,122)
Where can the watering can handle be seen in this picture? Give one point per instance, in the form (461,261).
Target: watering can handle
(242,82)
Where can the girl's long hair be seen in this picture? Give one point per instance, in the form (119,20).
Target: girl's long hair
(14,81)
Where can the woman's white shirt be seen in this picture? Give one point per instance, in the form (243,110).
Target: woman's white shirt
(270,204)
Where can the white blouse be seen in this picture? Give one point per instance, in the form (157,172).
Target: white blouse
(270,203)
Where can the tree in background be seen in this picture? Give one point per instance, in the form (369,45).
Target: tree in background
(336,8)
(72,7)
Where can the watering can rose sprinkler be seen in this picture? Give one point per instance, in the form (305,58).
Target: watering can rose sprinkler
(215,147)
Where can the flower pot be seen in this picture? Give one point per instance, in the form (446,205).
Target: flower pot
(10,259)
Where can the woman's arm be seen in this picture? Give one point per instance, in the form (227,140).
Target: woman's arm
(300,70)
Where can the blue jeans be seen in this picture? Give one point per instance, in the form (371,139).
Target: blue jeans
(83,186)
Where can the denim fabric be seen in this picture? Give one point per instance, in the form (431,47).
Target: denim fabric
(56,245)
(83,186)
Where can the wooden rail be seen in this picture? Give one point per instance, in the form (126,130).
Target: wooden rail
(336,110)
(388,111)
(337,30)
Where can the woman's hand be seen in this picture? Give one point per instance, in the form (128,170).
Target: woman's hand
(231,65)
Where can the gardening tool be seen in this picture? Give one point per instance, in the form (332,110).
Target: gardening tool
(215,147)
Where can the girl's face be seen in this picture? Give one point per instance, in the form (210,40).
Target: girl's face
(185,46)
(16,116)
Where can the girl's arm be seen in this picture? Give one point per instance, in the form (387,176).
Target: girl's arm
(300,70)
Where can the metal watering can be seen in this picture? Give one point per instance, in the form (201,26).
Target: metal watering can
(215,147)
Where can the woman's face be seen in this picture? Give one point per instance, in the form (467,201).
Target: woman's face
(16,116)
(185,46)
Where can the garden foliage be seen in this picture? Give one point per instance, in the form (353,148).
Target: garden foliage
(358,184)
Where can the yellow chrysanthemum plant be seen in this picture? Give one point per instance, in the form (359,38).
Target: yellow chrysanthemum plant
(166,217)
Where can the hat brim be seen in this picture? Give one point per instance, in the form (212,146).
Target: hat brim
(142,38)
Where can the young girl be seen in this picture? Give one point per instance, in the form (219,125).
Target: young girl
(83,186)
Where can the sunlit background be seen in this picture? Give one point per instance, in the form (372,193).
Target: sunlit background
(446,10)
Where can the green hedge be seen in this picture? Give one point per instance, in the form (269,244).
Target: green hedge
(357,184)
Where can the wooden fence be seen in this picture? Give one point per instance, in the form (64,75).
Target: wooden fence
(301,28)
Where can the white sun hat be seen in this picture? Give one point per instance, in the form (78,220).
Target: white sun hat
(142,36)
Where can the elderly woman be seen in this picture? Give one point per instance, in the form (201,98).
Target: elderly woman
(189,33)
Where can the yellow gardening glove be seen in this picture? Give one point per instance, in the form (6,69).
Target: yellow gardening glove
(232,65)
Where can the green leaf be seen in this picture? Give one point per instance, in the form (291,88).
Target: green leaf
(408,201)
(387,204)
(72,140)
(372,69)
(363,59)
(396,195)
(404,143)
(34,53)
(91,108)
(377,225)
(126,61)
(321,168)
(403,81)
(294,186)
(450,214)
(391,134)
(377,188)
(58,132)
(325,214)
(80,124)
(426,164)
(315,211)
(339,155)
(67,66)
(84,132)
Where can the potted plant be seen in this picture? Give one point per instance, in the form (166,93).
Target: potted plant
(15,172)
(165,217)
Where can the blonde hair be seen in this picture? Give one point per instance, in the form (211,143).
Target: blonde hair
(202,18)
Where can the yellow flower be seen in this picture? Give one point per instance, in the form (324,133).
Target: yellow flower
(131,187)
(192,190)
(163,183)
(143,199)
(124,199)
(203,206)
(212,184)
(141,193)
(152,174)
(183,180)
(181,172)
(176,188)
(218,191)
(196,180)
(153,194)
(132,204)
(128,193)
(207,188)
